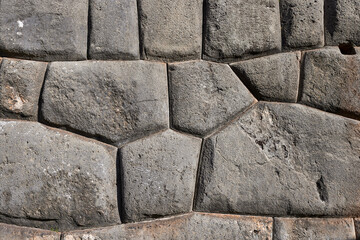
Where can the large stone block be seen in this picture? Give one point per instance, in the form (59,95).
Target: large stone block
(114,31)
(282,159)
(272,78)
(44,30)
(158,175)
(53,179)
(11,232)
(171,30)
(236,28)
(20,87)
(114,101)
(205,95)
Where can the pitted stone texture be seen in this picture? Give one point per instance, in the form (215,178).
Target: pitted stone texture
(302,23)
(332,81)
(205,95)
(114,101)
(171,30)
(53,179)
(11,232)
(272,78)
(44,30)
(114,30)
(236,28)
(158,175)
(341,20)
(187,227)
(282,159)
(20,87)
(314,228)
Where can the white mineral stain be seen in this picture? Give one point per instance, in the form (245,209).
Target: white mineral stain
(20,24)
(19,33)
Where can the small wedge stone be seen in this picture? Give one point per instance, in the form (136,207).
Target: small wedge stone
(11,232)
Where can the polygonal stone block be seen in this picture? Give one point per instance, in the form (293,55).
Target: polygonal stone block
(20,233)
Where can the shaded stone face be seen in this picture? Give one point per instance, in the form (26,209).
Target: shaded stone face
(20,233)
(282,159)
(53,179)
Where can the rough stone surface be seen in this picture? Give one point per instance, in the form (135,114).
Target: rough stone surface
(53,179)
(158,175)
(341,20)
(332,81)
(11,232)
(357,227)
(273,78)
(20,87)
(234,28)
(205,95)
(186,227)
(314,228)
(114,101)
(171,30)
(302,23)
(114,30)
(282,159)
(44,30)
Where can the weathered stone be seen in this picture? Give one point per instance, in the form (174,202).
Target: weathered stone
(187,227)
(53,179)
(114,101)
(158,175)
(302,23)
(357,227)
(332,81)
(282,159)
(44,30)
(11,232)
(341,20)
(171,30)
(114,31)
(236,28)
(314,228)
(273,78)
(20,87)
(205,95)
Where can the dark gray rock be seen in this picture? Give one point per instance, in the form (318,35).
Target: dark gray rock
(53,179)
(272,78)
(20,87)
(171,30)
(282,159)
(114,30)
(11,232)
(114,101)
(236,28)
(302,23)
(357,227)
(158,175)
(205,95)
(44,30)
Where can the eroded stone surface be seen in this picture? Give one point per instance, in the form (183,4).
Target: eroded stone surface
(44,30)
(273,78)
(282,159)
(12,232)
(158,175)
(115,101)
(357,227)
(204,95)
(53,179)
(20,87)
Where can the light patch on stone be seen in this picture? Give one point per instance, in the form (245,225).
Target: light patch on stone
(20,24)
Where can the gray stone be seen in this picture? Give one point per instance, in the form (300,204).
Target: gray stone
(194,226)
(341,20)
(237,28)
(114,101)
(332,81)
(302,23)
(314,228)
(205,95)
(44,30)
(55,180)
(357,227)
(114,31)
(272,78)
(20,87)
(282,159)
(171,30)
(11,232)
(158,175)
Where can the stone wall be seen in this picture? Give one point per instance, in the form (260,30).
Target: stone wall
(187,119)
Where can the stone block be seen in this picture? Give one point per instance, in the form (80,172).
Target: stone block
(11,232)
(357,227)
